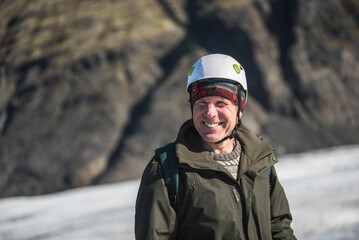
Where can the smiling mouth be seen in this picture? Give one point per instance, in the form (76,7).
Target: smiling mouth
(211,125)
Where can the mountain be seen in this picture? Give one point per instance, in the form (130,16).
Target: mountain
(88,89)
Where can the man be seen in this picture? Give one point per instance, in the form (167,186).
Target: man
(228,187)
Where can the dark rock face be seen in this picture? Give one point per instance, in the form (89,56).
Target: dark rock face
(89,89)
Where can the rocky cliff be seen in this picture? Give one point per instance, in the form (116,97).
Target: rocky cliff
(89,88)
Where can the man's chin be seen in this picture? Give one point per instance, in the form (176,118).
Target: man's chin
(211,139)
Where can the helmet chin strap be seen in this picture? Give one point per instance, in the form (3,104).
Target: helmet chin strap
(233,133)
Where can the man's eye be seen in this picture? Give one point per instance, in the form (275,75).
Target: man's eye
(201,103)
(221,104)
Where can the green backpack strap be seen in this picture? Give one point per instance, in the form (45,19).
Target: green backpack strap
(168,160)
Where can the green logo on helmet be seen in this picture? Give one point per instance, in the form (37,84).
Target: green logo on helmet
(191,71)
(236,68)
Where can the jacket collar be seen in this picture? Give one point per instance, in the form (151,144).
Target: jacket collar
(190,150)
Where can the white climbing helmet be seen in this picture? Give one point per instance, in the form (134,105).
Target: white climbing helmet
(217,66)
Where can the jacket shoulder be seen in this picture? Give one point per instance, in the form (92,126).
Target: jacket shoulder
(253,145)
(152,172)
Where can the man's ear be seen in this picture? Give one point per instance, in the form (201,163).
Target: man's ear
(239,114)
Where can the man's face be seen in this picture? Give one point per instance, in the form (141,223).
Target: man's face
(214,118)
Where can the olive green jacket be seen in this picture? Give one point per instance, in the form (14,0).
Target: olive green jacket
(213,205)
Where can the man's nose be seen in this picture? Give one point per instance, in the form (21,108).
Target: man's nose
(211,110)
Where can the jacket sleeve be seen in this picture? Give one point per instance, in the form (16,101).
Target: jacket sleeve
(154,217)
(281,217)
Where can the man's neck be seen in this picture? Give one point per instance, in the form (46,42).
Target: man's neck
(224,147)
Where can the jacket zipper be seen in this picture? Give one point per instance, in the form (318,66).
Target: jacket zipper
(236,195)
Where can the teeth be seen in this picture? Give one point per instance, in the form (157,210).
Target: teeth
(211,124)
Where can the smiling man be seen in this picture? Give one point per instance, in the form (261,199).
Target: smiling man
(217,180)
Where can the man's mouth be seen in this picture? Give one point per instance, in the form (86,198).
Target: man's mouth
(211,125)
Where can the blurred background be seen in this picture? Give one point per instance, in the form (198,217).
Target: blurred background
(88,89)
